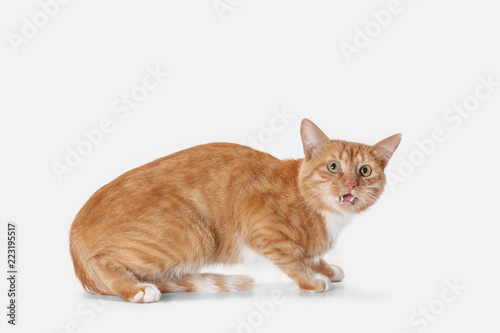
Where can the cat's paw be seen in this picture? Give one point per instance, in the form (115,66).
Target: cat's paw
(339,274)
(321,284)
(327,282)
(149,293)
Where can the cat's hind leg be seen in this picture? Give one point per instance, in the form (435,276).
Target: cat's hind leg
(113,278)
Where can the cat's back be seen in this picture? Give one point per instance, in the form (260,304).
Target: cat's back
(204,171)
(218,154)
(200,164)
(207,162)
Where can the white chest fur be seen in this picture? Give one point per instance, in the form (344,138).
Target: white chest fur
(334,223)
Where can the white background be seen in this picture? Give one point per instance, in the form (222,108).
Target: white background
(437,222)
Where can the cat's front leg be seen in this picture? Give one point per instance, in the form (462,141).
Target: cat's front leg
(333,272)
(304,277)
(289,257)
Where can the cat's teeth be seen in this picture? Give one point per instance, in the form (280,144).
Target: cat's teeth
(352,199)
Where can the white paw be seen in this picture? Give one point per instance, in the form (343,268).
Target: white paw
(149,295)
(339,273)
(328,283)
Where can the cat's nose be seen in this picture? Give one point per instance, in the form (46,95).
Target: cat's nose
(350,186)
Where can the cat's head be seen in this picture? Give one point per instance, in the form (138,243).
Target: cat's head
(340,175)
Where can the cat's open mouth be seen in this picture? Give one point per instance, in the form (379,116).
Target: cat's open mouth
(347,199)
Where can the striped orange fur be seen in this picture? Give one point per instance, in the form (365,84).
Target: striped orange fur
(154,228)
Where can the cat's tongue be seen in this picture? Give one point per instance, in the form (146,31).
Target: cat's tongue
(348,197)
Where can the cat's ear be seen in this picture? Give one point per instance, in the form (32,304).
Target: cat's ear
(388,146)
(312,137)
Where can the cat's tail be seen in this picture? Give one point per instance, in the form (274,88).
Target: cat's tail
(205,282)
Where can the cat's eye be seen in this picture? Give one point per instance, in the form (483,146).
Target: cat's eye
(365,171)
(333,166)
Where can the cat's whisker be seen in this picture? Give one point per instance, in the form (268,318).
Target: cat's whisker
(300,202)
(314,198)
(369,197)
(317,197)
(296,196)
(380,187)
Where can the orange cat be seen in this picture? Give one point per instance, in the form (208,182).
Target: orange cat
(152,229)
